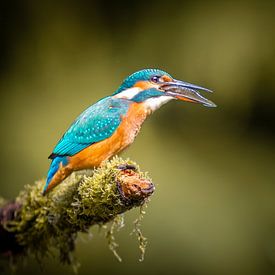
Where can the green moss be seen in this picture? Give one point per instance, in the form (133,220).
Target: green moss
(116,224)
(137,230)
(51,222)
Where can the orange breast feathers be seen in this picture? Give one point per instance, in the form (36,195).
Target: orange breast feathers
(125,134)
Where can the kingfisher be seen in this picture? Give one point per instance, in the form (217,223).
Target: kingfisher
(111,124)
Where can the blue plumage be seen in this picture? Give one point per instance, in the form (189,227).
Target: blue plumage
(143,75)
(96,123)
(54,167)
(146,94)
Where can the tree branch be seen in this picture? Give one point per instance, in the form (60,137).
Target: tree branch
(35,224)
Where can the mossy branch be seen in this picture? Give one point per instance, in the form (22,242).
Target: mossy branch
(37,224)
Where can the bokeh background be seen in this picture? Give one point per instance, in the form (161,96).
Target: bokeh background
(214,206)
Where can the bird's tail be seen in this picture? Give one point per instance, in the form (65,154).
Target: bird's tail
(54,167)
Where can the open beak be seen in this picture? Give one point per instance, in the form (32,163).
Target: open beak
(187,92)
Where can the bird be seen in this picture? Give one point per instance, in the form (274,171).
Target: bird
(111,124)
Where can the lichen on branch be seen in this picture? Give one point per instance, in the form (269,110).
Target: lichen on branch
(39,224)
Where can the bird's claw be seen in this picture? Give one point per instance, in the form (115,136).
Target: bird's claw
(126,166)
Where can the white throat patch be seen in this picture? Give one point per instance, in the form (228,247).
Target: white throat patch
(156,102)
(128,93)
(152,103)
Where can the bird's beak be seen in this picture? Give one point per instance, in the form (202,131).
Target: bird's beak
(187,92)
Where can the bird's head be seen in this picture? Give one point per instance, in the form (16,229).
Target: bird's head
(156,87)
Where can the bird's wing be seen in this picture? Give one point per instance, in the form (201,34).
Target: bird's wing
(96,123)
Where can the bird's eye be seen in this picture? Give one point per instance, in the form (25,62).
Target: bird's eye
(155,79)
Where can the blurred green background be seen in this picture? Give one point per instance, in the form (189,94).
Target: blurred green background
(214,205)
